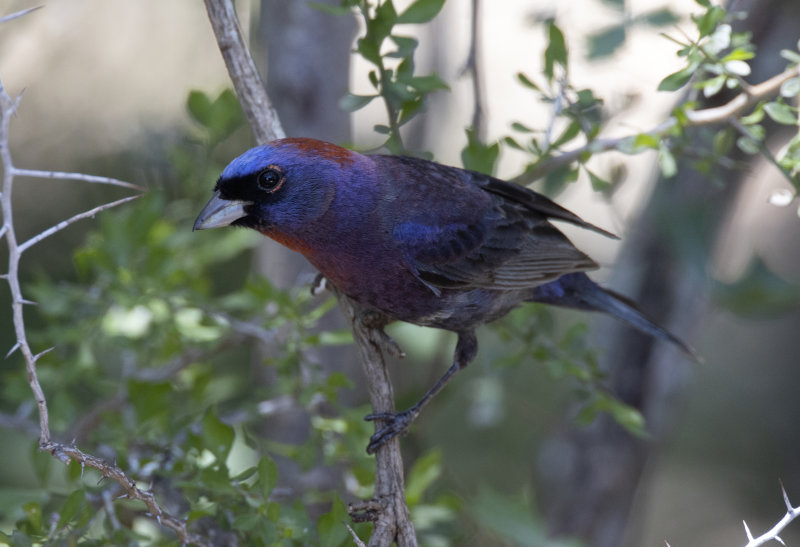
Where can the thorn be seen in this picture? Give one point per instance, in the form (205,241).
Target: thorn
(101,479)
(786,497)
(779,540)
(158,518)
(14,348)
(356,539)
(41,354)
(26,302)
(83,468)
(747,531)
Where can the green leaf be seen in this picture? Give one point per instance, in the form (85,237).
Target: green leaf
(616,4)
(780,113)
(149,400)
(405,46)
(678,79)
(748,145)
(738,54)
(33,516)
(381,26)
(199,106)
(420,11)
(331,528)
(217,436)
(754,117)
(707,22)
(221,117)
(598,184)
(267,475)
(427,84)
(556,51)
(669,167)
(646,141)
(527,82)
(572,131)
(627,416)
(790,88)
(477,156)
(511,143)
(423,473)
(660,17)
(350,102)
(71,507)
(723,142)
(606,42)
(712,86)
(791,56)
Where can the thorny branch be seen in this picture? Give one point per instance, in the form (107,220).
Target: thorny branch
(392,521)
(63,452)
(772,534)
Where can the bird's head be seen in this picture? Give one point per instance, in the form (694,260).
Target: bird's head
(278,188)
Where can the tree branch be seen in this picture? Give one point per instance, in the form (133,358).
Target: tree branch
(75,176)
(64,452)
(694,118)
(391,515)
(71,220)
(242,70)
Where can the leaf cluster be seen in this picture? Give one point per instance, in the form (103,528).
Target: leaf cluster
(393,77)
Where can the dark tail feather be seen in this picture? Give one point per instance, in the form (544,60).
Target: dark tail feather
(577,291)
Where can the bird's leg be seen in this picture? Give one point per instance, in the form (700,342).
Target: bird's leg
(398,422)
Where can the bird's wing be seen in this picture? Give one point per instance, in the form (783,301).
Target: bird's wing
(508,248)
(533,201)
(486,233)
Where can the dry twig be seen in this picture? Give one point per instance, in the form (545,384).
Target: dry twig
(63,452)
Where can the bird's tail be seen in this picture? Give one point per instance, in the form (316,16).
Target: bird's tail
(577,291)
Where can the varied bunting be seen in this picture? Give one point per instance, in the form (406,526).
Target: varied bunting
(414,240)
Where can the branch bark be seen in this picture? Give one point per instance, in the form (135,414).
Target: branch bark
(388,509)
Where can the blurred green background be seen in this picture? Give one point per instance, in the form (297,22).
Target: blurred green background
(136,90)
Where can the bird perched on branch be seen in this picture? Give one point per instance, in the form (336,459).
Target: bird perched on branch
(414,240)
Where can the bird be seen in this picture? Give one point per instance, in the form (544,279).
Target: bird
(415,241)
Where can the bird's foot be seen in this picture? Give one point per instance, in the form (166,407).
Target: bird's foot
(396,423)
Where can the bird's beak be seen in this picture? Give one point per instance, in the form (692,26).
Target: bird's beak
(219,212)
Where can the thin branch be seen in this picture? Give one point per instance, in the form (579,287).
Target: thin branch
(7,18)
(242,70)
(71,220)
(76,176)
(63,452)
(473,66)
(66,452)
(694,118)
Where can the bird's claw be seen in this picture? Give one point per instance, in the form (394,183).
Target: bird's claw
(396,423)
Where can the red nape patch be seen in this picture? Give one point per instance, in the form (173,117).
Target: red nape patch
(340,155)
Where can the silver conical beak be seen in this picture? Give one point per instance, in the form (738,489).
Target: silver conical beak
(219,212)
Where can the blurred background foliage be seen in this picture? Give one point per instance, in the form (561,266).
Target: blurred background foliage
(204,367)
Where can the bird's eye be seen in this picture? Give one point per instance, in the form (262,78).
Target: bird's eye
(270,179)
